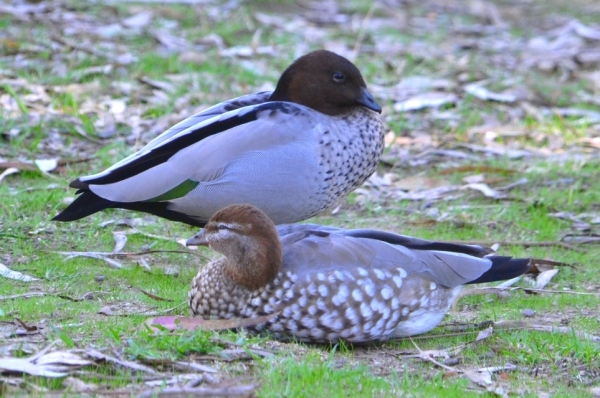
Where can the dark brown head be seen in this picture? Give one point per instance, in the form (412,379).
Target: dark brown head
(249,241)
(325,82)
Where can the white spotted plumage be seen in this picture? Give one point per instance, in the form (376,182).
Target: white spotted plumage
(319,297)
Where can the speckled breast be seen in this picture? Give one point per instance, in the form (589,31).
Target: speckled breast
(350,153)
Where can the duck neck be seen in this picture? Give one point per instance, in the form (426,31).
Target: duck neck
(254,262)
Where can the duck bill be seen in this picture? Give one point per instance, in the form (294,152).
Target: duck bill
(197,240)
(367,100)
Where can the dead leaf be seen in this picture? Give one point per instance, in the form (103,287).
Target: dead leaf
(97,355)
(7,172)
(483,379)
(477,90)
(486,190)
(420,183)
(208,391)
(542,280)
(76,385)
(190,323)
(120,241)
(539,265)
(10,274)
(157,84)
(484,334)
(143,263)
(53,364)
(97,255)
(139,20)
(433,99)
(127,309)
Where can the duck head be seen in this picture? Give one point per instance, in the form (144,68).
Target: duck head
(325,82)
(248,240)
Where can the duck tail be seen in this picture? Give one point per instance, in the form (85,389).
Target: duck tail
(504,268)
(89,203)
(84,205)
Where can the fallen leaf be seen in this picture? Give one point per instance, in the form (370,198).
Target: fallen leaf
(542,280)
(485,190)
(127,309)
(7,172)
(97,355)
(120,241)
(245,390)
(427,100)
(477,90)
(10,274)
(53,364)
(192,323)
(76,385)
(97,255)
(420,183)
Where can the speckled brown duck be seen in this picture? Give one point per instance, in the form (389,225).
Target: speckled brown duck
(291,152)
(329,284)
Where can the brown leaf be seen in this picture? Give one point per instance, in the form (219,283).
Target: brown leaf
(193,323)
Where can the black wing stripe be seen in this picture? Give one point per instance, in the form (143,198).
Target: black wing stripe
(161,154)
(418,244)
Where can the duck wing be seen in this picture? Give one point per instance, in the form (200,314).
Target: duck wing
(246,155)
(450,265)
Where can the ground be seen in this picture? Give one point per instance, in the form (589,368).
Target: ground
(493,137)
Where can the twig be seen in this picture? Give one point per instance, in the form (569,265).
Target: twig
(129,254)
(42,294)
(361,33)
(24,295)
(174,392)
(430,359)
(495,289)
(86,49)
(521,325)
(519,243)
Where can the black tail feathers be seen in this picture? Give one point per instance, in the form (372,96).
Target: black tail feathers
(89,203)
(504,268)
(84,205)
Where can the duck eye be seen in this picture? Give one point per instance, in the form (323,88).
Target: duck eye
(339,77)
(223,226)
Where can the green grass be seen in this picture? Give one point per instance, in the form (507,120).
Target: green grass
(548,362)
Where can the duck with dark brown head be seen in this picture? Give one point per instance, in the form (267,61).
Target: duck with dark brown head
(292,153)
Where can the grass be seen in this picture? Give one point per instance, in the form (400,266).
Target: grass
(77,289)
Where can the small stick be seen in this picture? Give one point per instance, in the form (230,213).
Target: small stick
(520,243)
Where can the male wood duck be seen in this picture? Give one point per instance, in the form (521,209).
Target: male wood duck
(292,152)
(328,284)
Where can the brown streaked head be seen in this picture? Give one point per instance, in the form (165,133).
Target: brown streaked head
(249,241)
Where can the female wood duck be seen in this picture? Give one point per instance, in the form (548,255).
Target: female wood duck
(292,152)
(327,284)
